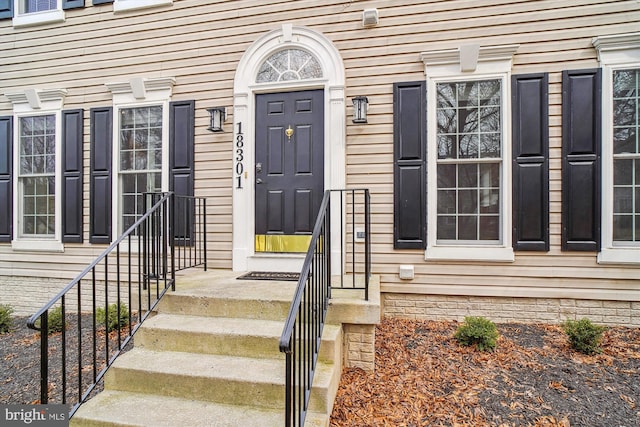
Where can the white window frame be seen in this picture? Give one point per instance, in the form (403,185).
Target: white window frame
(138,92)
(127,5)
(23,19)
(470,63)
(615,52)
(29,103)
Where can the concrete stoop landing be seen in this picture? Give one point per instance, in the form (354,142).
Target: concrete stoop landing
(210,357)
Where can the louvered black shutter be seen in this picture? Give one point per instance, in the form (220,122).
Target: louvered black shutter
(6,182)
(409,147)
(6,9)
(530,126)
(181,165)
(581,141)
(72,128)
(100,175)
(72,4)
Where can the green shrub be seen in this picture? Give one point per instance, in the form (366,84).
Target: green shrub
(479,331)
(6,322)
(583,335)
(55,321)
(113,317)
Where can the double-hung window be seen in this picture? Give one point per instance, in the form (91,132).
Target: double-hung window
(140,146)
(37,176)
(32,6)
(469,157)
(140,160)
(619,56)
(468,153)
(37,169)
(626,158)
(35,12)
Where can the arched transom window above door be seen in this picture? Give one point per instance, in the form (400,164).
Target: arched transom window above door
(289,65)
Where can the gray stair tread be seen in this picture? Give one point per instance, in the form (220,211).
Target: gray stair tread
(136,409)
(203,365)
(115,408)
(226,286)
(216,325)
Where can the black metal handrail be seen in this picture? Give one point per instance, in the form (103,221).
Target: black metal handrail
(302,333)
(123,286)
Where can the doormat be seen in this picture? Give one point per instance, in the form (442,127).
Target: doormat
(270,275)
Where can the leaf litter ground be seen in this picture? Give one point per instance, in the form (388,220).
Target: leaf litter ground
(423,377)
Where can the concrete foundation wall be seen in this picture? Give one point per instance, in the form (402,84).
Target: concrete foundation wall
(508,309)
(359,346)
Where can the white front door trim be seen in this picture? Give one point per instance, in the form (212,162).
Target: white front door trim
(287,36)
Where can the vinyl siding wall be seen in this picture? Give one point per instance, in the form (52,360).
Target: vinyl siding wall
(200,44)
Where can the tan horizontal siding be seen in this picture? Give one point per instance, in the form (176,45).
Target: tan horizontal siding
(200,44)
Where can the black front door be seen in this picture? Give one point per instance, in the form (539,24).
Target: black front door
(289,168)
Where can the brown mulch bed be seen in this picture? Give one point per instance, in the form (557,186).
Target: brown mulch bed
(423,377)
(20,361)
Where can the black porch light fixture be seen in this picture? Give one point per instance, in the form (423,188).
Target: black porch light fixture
(360,105)
(217,116)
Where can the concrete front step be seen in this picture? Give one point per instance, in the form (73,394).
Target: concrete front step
(230,297)
(226,336)
(211,352)
(211,335)
(111,408)
(216,378)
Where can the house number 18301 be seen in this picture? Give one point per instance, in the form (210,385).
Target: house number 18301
(239,156)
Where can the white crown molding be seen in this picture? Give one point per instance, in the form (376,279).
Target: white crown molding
(617,48)
(142,89)
(157,83)
(36,99)
(485,55)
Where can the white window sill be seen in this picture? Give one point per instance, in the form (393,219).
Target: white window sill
(619,256)
(127,5)
(38,18)
(37,245)
(470,253)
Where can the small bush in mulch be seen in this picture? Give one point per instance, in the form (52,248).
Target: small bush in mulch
(583,335)
(6,322)
(55,321)
(112,318)
(478,331)
(423,377)
(20,359)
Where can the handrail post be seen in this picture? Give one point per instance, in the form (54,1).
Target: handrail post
(172,238)
(328,246)
(204,231)
(44,358)
(144,227)
(367,242)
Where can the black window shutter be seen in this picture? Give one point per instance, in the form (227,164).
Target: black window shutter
(6,9)
(409,148)
(581,141)
(100,175)
(72,4)
(181,164)
(530,129)
(6,183)
(72,128)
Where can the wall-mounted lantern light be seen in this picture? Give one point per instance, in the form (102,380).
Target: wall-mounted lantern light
(217,116)
(360,105)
